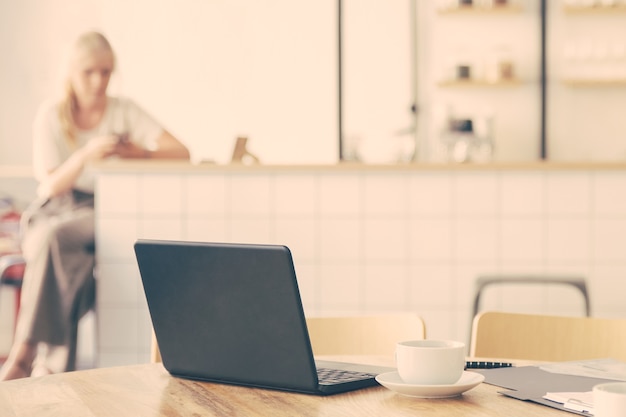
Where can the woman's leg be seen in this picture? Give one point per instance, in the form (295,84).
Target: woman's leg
(60,262)
(62,358)
(36,284)
(20,361)
(50,359)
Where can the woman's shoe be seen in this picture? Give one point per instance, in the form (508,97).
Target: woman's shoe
(14,370)
(20,362)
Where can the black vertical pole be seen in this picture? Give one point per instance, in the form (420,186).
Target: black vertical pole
(543,77)
(340,75)
(414,73)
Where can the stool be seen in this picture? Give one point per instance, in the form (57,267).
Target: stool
(11,274)
(577,282)
(12,268)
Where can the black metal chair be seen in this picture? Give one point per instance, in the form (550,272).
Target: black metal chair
(577,282)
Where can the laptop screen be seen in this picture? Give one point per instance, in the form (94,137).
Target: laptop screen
(227,313)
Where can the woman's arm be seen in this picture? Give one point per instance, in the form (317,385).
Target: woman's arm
(168,147)
(62,178)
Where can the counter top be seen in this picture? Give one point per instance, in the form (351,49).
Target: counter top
(162,166)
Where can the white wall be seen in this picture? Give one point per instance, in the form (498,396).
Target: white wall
(209,70)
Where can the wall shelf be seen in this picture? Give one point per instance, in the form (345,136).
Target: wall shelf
(473,10)
(479,83)
(587,82)
(618,8)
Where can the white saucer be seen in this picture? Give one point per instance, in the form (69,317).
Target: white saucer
(393,381)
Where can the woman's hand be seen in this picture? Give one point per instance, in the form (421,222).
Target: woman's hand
(62,178)
(110,145)
(128,150)
(99,148)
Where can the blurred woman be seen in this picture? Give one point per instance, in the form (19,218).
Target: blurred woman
(85,126)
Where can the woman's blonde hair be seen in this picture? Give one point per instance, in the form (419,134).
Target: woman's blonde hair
(87,42)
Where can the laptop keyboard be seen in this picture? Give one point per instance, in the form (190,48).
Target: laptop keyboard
(328,376)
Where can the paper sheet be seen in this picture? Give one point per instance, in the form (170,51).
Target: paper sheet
(577,401)
(594,368)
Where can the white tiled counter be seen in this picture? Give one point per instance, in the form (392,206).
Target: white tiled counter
(372,238)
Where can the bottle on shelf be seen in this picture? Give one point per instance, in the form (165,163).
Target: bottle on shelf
(501,65)
(467,138)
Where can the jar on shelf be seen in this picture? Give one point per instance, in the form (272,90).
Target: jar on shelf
(464,66)
(618,60)
(501,65)
(584,54)
(570,66)
(600,62)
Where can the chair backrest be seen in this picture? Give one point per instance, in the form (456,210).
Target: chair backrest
(155,353)
(12,269)
(363,335)
(547,338)
(359,335)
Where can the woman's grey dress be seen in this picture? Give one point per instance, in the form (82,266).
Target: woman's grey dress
(59,287)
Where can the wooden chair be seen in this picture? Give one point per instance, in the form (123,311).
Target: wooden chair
(359,335)
(363,335)
(501,335)
(576,282)
(155,353)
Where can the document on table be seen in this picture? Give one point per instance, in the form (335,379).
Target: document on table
(593,368)
(530,383)
(577,401)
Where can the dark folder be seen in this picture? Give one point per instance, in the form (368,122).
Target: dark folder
(530,383)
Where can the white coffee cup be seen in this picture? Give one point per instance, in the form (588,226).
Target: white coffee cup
(609,399)
(430,362)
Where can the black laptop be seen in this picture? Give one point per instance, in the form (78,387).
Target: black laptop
(232,313)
